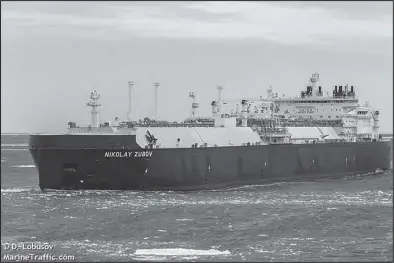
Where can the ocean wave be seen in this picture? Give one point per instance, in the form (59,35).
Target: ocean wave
(179,252)
(18,190)
(14,134)
(14,145)
(24,166)
(14,149)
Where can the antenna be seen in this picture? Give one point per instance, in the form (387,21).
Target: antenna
(94,97)
(131,84)
(220,88)
(269,92)
(315,78)
(156,85)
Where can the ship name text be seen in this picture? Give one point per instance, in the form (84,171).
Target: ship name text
(128,154)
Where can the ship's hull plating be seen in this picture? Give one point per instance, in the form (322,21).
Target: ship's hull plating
(118,163)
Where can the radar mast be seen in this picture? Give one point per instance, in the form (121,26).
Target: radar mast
(195,104)
(314,79)
(94,97)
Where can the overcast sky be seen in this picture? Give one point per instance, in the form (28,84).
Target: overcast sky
(54,54)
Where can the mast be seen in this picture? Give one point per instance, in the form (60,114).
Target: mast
(269,93)
(131,84)
(94,97)
(219,88)
(156,113)
(195,104)
(244,113)
(315,78)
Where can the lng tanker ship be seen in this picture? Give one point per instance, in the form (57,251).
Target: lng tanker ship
(262,140)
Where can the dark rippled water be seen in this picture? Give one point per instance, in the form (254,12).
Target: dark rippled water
(330,220)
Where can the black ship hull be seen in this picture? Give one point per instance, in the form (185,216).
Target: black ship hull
(117,162)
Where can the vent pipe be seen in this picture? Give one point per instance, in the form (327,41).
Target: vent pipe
(156,110)
(220,88)
(131,84)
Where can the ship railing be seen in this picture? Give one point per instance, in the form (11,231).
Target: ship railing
(311,123)
(271,130)
(276,134)
(127,131)
(177,125)
(91,130)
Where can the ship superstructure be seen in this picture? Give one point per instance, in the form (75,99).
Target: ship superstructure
(270,115)
(317,105)
(313,103)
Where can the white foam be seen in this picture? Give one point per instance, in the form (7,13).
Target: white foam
(151,258)
(15,190)
(14,145)
(180,252)
(24,166)
(15,149)
(14,134)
